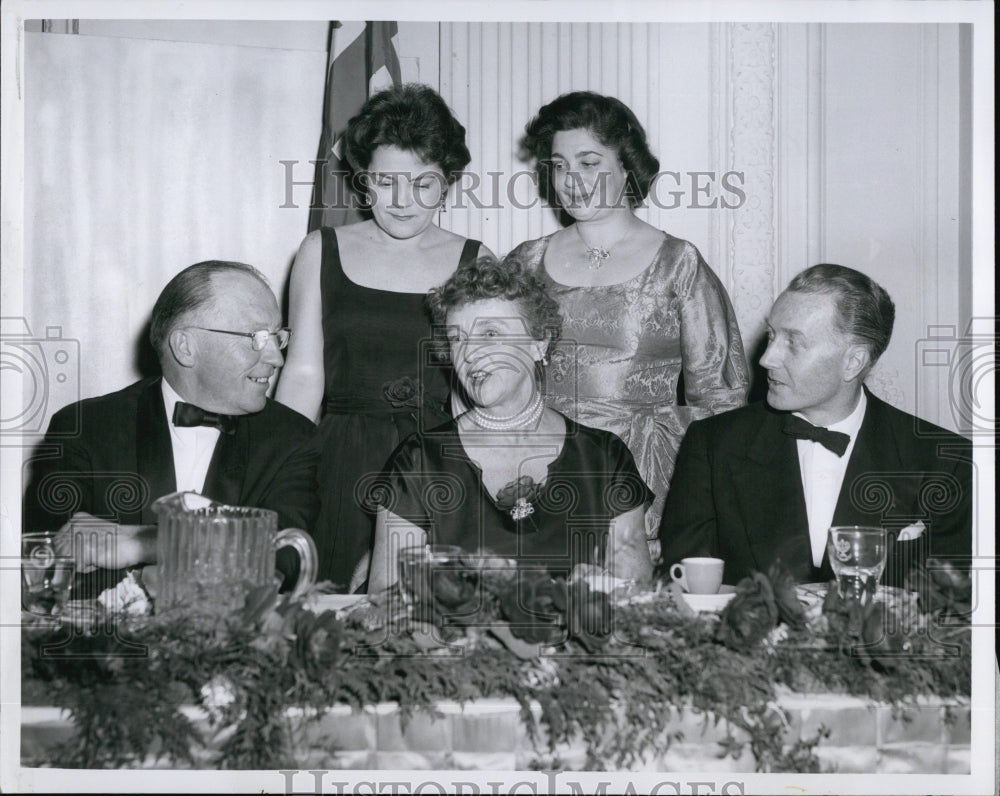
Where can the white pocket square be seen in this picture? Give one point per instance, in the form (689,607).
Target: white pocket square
(911,532)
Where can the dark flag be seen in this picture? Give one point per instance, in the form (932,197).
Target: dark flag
(367,64)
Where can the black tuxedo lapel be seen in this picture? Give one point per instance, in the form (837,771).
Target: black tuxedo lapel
(851,500)
(770,486)
(154,451)
(866,497)
(228,469)
(869,493)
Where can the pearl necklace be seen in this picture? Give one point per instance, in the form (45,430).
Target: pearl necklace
(526,417)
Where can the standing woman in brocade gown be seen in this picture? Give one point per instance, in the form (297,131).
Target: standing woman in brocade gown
(641,308)
(359,362)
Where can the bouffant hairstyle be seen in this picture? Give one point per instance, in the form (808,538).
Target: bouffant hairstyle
(610,121)
(864,309)
(489,278)
(411,117)
(188,291)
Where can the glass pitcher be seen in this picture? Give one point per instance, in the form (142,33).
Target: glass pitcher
(209,555)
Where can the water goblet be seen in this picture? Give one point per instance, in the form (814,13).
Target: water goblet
(857,556)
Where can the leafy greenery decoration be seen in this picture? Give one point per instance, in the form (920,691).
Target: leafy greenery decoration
(615,676)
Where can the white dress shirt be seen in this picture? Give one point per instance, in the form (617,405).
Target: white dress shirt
(193,446)
(822,476)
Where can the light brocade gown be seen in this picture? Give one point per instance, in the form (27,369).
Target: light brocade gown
(624,348)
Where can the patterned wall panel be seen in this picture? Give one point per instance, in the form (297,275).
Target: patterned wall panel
(750,87)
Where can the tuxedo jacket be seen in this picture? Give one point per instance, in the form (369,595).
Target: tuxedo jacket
(736,492)
(111,456)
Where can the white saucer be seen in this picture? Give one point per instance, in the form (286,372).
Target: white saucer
(711,602)
(336,602)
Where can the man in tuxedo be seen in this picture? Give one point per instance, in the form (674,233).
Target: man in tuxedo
(767,481)
(206,425)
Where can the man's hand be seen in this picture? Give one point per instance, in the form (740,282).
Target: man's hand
(100,544)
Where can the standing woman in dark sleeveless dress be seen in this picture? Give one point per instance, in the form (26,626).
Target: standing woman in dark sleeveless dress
(360,361)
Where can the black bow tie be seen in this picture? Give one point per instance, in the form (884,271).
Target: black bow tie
(835,441)
(187,415)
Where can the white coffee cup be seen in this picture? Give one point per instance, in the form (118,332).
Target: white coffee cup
(698,575)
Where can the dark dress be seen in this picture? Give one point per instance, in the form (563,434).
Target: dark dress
(383,381)
(431,482)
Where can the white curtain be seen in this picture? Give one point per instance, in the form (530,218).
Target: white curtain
(142,157)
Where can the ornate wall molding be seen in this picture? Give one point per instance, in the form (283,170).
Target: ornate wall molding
(801,171)
(751,73)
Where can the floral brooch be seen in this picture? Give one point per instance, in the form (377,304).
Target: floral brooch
(521,509)
(517,497)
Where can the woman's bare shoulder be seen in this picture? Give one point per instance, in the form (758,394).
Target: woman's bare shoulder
(352,234)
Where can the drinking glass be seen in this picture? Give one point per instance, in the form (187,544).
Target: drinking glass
(857,555)
(46,576)
(417,568)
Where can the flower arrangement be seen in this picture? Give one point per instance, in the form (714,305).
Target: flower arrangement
(621,673)
(128,596)
(521,607)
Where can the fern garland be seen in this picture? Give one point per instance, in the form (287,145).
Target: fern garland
(619,691)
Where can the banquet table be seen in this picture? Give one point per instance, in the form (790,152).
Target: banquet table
(929,735)
(488,735)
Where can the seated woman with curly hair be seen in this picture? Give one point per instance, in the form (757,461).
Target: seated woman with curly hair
(510,477)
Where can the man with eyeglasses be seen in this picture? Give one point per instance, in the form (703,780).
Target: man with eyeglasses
(206,426)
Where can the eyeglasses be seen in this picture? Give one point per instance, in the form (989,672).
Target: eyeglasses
(258,339)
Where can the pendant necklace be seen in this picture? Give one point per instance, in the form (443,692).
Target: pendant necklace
(596,254)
